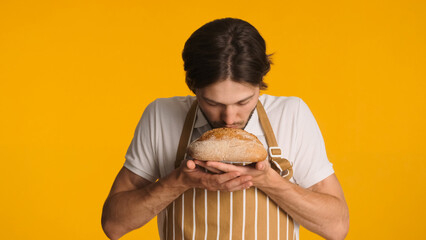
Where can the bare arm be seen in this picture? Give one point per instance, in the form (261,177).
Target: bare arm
(134,201)
(321,208)
(131,202)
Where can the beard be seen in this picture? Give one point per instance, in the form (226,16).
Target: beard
(222,124)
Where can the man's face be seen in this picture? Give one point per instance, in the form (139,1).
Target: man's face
(227,103)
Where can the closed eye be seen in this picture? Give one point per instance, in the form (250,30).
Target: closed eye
(243,103)
(211,104)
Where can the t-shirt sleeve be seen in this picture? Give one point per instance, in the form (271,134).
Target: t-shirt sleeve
(311,164)
(141,155)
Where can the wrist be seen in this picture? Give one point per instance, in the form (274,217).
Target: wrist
(273,182)
(176,180)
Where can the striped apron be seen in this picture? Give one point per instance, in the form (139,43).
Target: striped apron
(245,214)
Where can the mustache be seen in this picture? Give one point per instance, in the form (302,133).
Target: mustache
(220,124)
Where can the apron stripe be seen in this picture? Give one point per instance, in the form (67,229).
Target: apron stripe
(272,219)
(249,212)
(238,200)
(213,213)
(205,216)
(178,219)
(225,212)
(244,215)
(218,214)
(262,225)
(287,228)
(255,218)
(187,225)
(166,224)
(174,203)
(230,215)
(183,215)
(283,225)
(278,222)
(193,215)
(200,213)
(267,217)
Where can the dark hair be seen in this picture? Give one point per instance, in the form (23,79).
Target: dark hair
(225,48)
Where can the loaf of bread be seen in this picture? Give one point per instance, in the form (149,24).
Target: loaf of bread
(229,145)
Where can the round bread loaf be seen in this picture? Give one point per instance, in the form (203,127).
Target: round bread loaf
(227,144)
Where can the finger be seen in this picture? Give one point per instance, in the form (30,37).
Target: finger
(243,186)
(224,167)
(214,170)
(260,166)
(226,177)
(190,164)
(238,184)
(263,165)
(226,182)
(201,163)
(204,165)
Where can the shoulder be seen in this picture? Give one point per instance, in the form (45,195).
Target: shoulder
(290,110)
(166,113)
(280,104)
(173,106)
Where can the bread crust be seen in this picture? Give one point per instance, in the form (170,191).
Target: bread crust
(228,144)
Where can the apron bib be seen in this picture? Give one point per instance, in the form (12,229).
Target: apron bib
(245,214)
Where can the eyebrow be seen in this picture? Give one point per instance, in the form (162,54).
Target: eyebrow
(240,101)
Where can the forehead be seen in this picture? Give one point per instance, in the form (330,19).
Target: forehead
(227,91)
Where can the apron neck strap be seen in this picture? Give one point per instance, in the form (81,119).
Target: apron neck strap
(186,134)
(276,156)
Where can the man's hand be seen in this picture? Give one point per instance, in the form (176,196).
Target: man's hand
(194,176)
(259,173)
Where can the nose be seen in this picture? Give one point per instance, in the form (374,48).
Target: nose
(229,115)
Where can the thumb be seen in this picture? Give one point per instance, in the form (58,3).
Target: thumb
(190,164)
(260,165)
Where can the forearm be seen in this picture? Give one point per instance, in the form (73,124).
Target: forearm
(129,210)
(324,214)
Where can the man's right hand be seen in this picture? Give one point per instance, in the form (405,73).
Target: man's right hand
(193,175)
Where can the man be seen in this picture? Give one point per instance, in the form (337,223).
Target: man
(225,62)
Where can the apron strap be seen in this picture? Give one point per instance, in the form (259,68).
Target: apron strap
(276,156)
(186,134)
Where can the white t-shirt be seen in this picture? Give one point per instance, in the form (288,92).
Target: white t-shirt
(152,151)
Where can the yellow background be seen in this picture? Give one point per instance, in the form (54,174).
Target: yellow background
(75,77)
